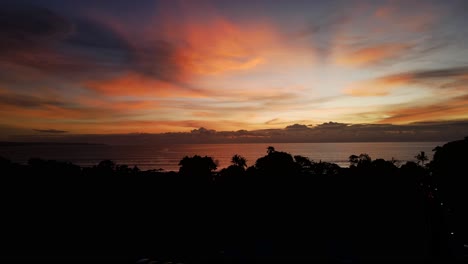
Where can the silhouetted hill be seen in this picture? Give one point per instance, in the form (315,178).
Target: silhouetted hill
(283,208)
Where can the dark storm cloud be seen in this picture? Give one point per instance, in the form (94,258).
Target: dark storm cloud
(93,35)
(440,73)
(157,59)
(39,38)
(28,27)
(27,101)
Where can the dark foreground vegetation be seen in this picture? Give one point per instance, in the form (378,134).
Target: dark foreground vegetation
(282,208)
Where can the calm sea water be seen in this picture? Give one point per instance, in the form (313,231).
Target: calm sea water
(167,157)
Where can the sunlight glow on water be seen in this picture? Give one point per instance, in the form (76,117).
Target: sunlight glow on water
(167,157)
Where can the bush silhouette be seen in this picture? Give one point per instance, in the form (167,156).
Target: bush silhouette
(276,164)
(197,168)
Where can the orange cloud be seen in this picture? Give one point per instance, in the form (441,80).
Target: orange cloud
(126,106)
(216,45)
(191,45)
(132,84)
(371,55)
(390,31)
(395,17)
(377,87)
(368,89)
(49,108)
(452,109)
(47,112)
(105,119)
(444,78)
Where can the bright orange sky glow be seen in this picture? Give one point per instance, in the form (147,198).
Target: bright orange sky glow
(173,66)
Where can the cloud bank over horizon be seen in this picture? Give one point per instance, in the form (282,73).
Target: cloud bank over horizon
(297,133)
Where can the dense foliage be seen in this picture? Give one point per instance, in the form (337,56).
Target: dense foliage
(282,207)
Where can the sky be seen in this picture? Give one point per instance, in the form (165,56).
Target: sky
(119,67)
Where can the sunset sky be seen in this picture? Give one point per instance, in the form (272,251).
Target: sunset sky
(106,67)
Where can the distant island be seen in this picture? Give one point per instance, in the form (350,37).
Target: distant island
(298,133)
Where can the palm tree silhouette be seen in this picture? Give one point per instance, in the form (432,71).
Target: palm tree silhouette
(239,161)
(421,157)
(270,150)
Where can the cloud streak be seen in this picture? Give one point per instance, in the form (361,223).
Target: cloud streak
(372,55)
(454,108)
(441,78)
(326,132)
(50,131)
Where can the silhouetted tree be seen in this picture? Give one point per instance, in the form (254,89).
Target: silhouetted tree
(197,167)
(450,173)
(412,170)
(240,161)
(105,168)
(270,149)
(361,161)
(36,162)
(135,170)
(276,163)
(421,157)
(325,168)
(235,171)
(364,160)
(53,168)
(353,160)
(232,172)
(395,161)
(106,165)
(304,162)
(383,167)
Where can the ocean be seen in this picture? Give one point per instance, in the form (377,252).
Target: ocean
(167,157)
